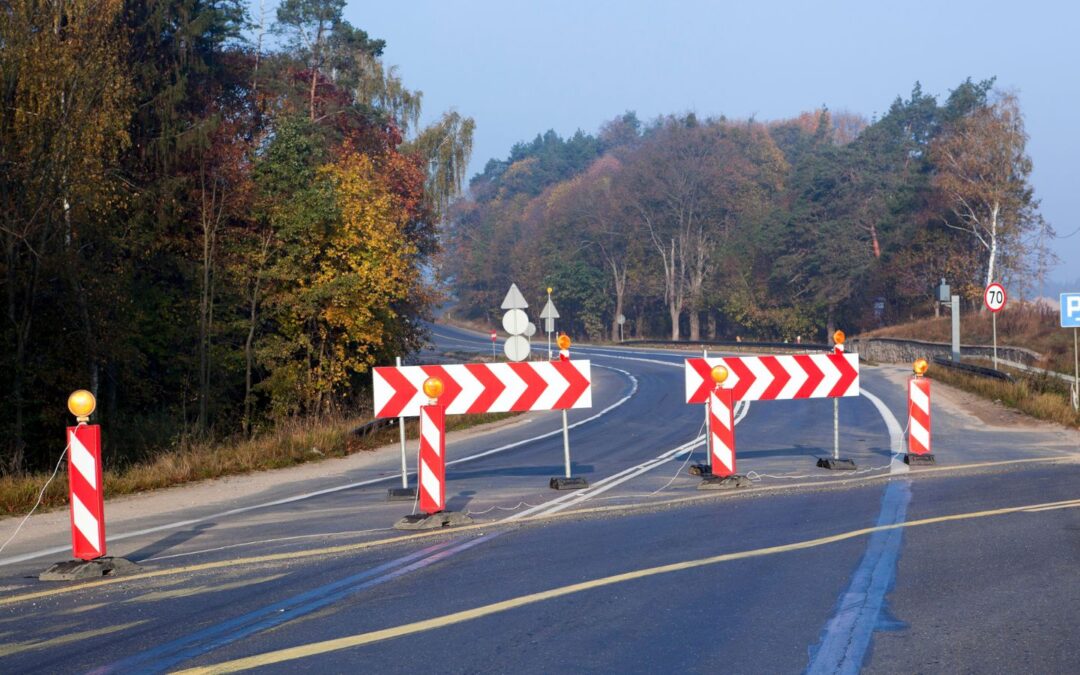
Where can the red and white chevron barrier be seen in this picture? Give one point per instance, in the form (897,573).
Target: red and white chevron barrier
(919,416)
(432,469)
(722,432)
(87,492)
(767,378)
(485,387)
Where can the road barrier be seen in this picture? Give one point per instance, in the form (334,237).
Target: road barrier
(431,470)
(919,417)
(722,432)
(87,493)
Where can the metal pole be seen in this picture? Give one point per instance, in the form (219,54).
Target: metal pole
(994,322)
(836,428)
(955,302)
(708,436)
(1076,382)
(551,323)
(401,432)
(566,443)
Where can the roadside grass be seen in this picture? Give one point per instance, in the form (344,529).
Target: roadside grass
(289,445)
(1043,398)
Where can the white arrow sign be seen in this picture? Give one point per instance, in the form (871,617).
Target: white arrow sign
(549,311)
(514,299)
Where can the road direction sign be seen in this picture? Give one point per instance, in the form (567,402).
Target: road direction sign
(514,299)
(485,387)
(516,348)
(515,322)
(620,319)
(994,297)
(767,378)
(549,325)
(1070,310)
(530,330)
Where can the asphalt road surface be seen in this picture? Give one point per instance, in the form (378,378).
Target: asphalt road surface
(971,566)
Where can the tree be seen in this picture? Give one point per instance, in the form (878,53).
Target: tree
(311,24)
(982,175)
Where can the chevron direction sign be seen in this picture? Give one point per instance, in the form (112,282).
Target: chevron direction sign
(485,387)
(768,378)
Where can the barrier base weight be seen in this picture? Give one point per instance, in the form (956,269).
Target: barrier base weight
(925,458)
(77,570)
(401,494)
(700,470)
(435,521)
(572,483)
(725,483)
(841,464)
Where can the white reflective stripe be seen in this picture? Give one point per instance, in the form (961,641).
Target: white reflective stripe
(83,461)
(383,390)
(556,386)
(585,368)
(831,373)
(85,522)
(431,432)
(720,411)
(920,434)
(763,378)
(515,387)
(919,398)
(429,482)
(723,453)
(470,389)
(798,377)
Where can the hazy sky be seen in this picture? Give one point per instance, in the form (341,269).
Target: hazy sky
(520,67)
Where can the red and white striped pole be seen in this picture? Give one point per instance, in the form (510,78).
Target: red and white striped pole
(432,466)
(722,428)
(85,480)
(919,416)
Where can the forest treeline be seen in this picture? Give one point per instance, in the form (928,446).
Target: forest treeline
(717,228)
(213,220)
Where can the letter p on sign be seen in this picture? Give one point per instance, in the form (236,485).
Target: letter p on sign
(1070,310)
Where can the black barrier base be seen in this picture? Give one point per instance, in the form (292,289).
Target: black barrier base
(401,494)
(76,570)
(573,483)
(911,458)
(841,464)
(700,470)
(725,483)
(435,521)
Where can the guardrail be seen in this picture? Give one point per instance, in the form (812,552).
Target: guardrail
(796,346)
(899,350)
(973,369)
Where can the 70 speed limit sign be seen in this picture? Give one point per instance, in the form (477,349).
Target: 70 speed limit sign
(994,296)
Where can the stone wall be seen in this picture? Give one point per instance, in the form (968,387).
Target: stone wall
(893,350)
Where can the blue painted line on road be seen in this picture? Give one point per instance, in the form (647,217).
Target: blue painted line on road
(860,610)
(164,657)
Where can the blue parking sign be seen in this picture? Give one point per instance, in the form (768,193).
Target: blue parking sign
(1070,310)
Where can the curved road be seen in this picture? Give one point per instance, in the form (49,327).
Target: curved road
(971,566)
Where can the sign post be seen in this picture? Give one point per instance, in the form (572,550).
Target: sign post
(994,298)
(1070,318)
(549,314)
(494,337)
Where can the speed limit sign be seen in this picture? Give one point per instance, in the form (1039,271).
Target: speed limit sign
(994,297)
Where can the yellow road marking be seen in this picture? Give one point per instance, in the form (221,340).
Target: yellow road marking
(326,646)
(417,536)
(155,596)
(18,647)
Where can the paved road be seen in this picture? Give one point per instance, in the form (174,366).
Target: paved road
(644,574)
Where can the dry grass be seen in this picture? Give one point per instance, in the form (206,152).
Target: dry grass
(1041,397)
(290,445)
(1035,327)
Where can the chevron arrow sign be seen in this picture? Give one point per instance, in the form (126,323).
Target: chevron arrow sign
(768,378)
(485,387)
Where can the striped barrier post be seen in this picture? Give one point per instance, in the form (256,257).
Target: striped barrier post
(432,469)
(919,417)
(722,432)
(87,494)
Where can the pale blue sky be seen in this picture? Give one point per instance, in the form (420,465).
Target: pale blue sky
(521,67)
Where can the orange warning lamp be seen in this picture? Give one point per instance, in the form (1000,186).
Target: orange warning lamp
(81,403)
(920,367)
(839,337)
(563,341)
(433,388)
(719,374)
